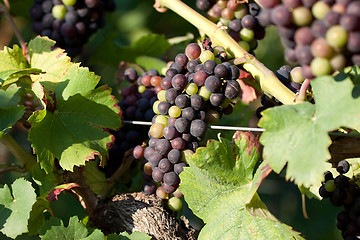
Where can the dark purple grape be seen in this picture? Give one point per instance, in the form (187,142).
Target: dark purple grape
(178,143)
(179,167)
(197,102)
(157,174)
(200,77)
(216,99)
(341,182)
(281,16)
(235,25)
(149,188)
(212,84)
(166,83)
(283,76)
(154,158)
(221,71)
(168,189)
(343,167)
(165,165)
(232,89)
(170,95)
(209,66)
(182,101)
(163,146)
(249,22)
(234,72)
(189,113)
(191,65)
(174,156)
(170,132)
(182,125)
(171,178)
(198,128)
(163,108)
(138,152)
(179,82)
(181,60)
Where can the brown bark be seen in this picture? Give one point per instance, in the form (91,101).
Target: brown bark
(140,212)
(344,147)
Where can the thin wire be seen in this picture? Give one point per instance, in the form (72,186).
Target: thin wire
(232,128)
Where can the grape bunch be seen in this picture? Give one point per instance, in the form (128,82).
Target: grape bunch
(198,88)
(69,22)
(136,104)
(241,19)
(321,36)
(343,191)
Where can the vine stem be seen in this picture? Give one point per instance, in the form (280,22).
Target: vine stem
(5,10)
(269,83)
(25,158)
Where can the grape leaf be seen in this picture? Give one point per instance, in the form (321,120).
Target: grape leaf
(11,76)
(75,230)
(74,132)
(12,60)
(53,195)
(19,201)
(10,112)
(54,63)
(95,178)
(37,218)
(220,189)
(297,135)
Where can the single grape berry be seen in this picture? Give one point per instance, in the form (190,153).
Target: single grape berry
(343,167)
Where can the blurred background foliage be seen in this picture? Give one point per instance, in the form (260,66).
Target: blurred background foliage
(136,33)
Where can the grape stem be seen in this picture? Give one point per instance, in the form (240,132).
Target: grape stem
(25,158)
(5,10)
(269,83)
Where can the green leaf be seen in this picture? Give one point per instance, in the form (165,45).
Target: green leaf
(95,235)
(297,135)
(219,188)
(75,230)
(10,112)
(74,132)
(132,236)
(12,60)
(95,178)
(19,202)
(11,76)
(151,45)
(54,63)
(150,62)
(37,218)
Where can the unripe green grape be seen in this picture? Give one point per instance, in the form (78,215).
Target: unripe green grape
(174,111)
(330,185)
(163,70)
(336,36)
(296,75)
(161,95)
(241,11)
(175,204)
(59,11)
(155,107)
(301,16)
(244,45)
(320,9)
(204,93)
(156,130)
(162,119)
(320,66)
(69,2)
(206,55)
(191,89)
(338,62)
(247,34)
(218,60)
(141,88)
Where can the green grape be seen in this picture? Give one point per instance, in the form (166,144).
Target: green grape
(161,95)
(69,2)
(175,204)
(191,89)
(206,55)
(59,11)
(156,130)
(162,119)
(247,34)
(204,93)
(244,45)
(320,9)
(296,75)
(155,107)
(174,111)
(320,66)
(241,11)
(301,16)
(141,88)
(330,185)
(336,36)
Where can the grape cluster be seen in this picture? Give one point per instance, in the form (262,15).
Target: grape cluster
(136,104)
(69,22)
(292,78)
(241,19)
(321,36)
(343,191)
(197,90)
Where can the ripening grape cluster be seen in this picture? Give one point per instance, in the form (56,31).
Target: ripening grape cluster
(343,191)
(69,22)
(321,36)
(241,19)
(136,104)
(197,89)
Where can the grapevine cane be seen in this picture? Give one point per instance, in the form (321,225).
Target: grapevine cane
(269,83)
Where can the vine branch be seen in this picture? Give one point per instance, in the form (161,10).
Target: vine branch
(25,158)
(269,83)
